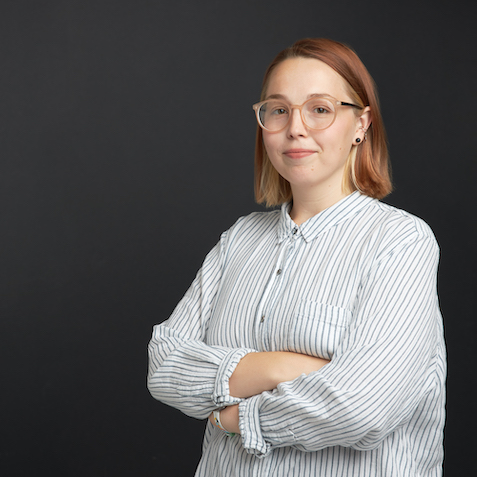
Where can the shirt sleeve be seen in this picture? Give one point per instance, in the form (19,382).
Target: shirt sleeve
(184,372)
(378,375)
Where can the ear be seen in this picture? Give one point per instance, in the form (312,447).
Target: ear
(364,121)
(362,125)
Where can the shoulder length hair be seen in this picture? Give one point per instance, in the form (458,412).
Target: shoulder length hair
(367,168)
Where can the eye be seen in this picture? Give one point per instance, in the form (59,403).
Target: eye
(278,111)
(320,109)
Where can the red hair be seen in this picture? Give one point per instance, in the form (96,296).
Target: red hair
(368,167)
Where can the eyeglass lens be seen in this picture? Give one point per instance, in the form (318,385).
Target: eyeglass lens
(317,113)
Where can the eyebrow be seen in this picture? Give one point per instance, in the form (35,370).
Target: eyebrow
(281,96)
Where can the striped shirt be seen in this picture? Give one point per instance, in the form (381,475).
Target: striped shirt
(355,284)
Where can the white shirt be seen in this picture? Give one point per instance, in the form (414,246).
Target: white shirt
(355,284)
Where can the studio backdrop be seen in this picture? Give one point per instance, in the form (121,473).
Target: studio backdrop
(120,169)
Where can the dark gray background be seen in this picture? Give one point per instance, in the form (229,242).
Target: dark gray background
(119,170)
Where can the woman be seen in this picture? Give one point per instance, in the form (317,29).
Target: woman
(312,337)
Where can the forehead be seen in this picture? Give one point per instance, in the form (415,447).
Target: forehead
(297,78)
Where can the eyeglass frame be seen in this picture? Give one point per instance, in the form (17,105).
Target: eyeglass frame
(257,107)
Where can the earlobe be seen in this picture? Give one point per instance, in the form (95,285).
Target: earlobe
(365,137)
(365,133)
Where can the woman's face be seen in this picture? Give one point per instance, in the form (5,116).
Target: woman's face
(312,161)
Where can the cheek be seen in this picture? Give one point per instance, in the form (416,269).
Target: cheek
(339,138)
(270,143)
(267,138)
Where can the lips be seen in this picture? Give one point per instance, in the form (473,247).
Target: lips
(298,153)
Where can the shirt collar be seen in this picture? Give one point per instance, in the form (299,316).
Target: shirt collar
(321,222)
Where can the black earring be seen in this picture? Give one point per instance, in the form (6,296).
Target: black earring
(358,139)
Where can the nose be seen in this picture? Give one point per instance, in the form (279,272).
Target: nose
(296,127)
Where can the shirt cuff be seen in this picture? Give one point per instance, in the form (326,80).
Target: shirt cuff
(221,395)
(250,429)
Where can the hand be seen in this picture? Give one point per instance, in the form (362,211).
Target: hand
(229,417)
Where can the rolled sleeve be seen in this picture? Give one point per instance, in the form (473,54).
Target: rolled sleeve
(221,395)
(193,377)
(250,430)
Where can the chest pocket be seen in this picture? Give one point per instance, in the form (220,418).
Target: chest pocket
(316,329)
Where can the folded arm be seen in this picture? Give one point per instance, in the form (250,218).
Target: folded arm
(184,371)
(379,374)
(259,372)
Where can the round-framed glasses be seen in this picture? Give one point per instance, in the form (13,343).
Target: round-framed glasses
(318,112)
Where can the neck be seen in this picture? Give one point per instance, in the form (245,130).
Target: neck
(307,205)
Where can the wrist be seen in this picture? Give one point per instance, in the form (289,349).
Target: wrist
(217,421)
(229,419)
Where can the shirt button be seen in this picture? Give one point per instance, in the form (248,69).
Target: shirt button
(262,319)
(295,230)
(279,271)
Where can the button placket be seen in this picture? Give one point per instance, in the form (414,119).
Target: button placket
(267,299)
(272,290)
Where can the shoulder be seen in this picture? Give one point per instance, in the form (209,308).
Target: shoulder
(390,227)
(256,222)
(250,228)
(400,219)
